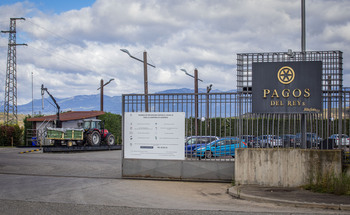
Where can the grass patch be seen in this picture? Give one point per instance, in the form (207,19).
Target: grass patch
(330,183)
(346,158)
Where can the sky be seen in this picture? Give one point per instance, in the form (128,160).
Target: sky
(72,45)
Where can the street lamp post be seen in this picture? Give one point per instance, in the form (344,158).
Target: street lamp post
(144,61)
(196,79)
(101,91)
(145,79)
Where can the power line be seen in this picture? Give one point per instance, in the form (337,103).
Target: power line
(63,58)
(149,57)
(57,35)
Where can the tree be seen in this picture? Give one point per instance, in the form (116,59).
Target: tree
(113,123)
(11,134)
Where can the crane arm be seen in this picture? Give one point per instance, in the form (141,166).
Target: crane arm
(43,89)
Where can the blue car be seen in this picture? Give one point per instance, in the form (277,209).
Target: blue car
(193,142)
(222,147)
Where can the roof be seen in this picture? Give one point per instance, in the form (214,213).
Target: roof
(68,116)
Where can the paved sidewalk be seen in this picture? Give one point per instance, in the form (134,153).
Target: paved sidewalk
(291,196)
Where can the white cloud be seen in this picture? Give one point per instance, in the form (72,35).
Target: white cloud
(70,52)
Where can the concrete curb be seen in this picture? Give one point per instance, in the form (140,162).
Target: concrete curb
(34,150)
(237,193)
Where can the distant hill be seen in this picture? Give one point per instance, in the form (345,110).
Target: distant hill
(75,103)
(112,104)
(186,90)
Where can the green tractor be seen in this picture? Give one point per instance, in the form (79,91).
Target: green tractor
(95,133)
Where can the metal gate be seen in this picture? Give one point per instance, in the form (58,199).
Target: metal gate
(217,116)
(229,116)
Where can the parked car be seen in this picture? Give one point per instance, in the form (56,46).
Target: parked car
(268,141)
(288,140)
(326,144)
(221,147)
(312,140)
(344,140)
(193,142)
(248,139)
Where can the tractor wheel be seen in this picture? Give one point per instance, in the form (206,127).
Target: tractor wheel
(110,140)
(94,139)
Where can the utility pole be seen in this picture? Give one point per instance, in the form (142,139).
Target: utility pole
(32,95)
(303,32)
(196,101)
(207,109)
(145,79)
(101,95)
(303,50)
(196,79)
(101,92)
(144,61)
(10,104)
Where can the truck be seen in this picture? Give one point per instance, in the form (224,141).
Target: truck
(92,133)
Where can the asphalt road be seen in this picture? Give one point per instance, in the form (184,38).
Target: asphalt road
(91,183)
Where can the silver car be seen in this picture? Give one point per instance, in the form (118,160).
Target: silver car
(269,141)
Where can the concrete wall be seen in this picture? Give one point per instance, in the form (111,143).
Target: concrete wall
(178,169)
(284,167)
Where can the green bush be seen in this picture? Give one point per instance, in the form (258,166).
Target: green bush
(9,133)
(113,123)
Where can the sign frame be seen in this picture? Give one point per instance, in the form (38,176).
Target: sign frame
(287,87)
(154,135)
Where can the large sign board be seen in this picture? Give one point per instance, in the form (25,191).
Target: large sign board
(287,87)
(154,135)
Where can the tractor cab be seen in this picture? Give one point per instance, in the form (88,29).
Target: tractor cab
(92,124)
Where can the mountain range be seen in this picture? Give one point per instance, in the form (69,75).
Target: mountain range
(112,104)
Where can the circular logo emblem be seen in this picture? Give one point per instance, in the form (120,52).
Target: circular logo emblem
(286,75)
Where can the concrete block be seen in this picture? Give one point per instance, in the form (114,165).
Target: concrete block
(284,167)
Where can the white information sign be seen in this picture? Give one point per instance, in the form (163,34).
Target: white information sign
(153,135)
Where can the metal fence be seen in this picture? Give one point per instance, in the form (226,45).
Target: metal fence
(213,110)
(229,115)
(217,113)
